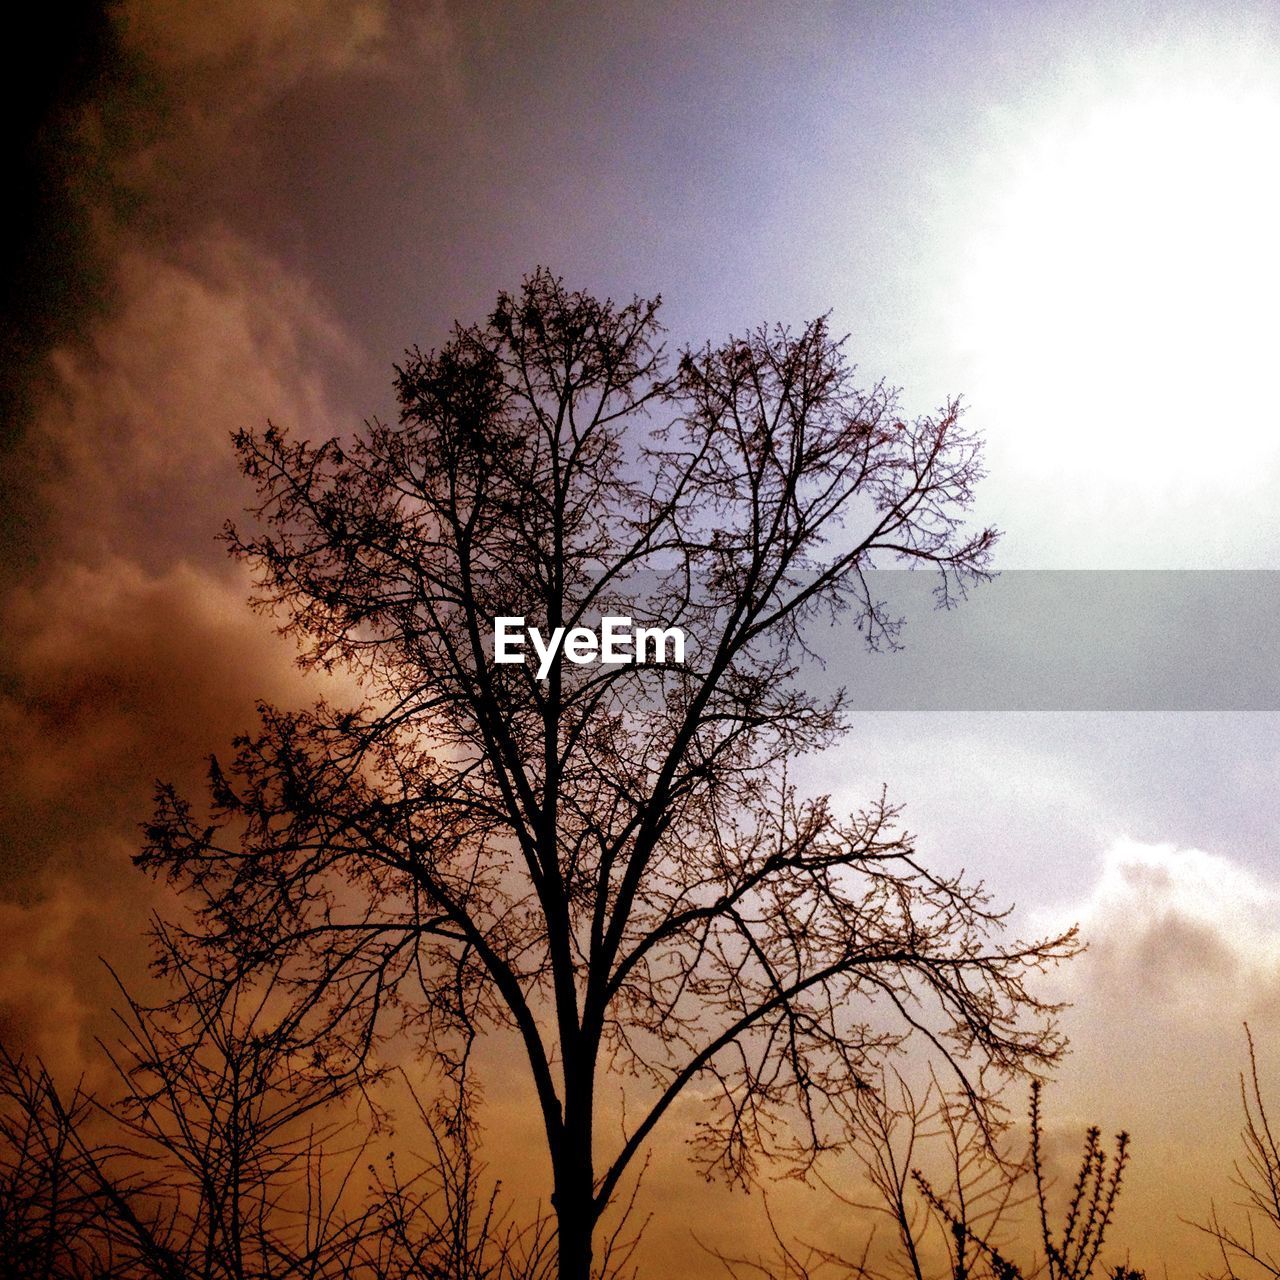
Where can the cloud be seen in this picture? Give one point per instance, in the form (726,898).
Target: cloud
(1184,947)
(130,652)
(42,999)
(280,42)
(184,327)
(215,68)
(1181,933)
(130,443)
(182,137)
(114,677)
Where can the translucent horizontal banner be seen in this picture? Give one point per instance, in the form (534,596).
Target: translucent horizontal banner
(1066,640)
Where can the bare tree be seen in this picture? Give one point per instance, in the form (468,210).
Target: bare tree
(611,862)
(1069,1254)
(248,1159)
(1252,1248)
(187,1172)
(968,1221)
(900,1127)
(223,1157)
(52,1222)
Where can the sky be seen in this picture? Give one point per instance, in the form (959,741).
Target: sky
(1062,212)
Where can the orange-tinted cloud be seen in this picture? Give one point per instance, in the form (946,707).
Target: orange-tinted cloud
(130,444)
(115,678)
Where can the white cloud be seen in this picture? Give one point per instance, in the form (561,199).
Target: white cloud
(1179,934)
(1184,946)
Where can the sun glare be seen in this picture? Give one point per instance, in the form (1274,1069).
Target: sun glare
(1123,305)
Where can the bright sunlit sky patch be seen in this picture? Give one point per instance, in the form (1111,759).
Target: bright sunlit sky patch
(1118,299)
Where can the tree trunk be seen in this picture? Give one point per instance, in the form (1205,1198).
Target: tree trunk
(575,1222)
(574,1174)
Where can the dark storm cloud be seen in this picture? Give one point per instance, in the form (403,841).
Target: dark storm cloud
(67,58)
(128,650)
(143,154)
